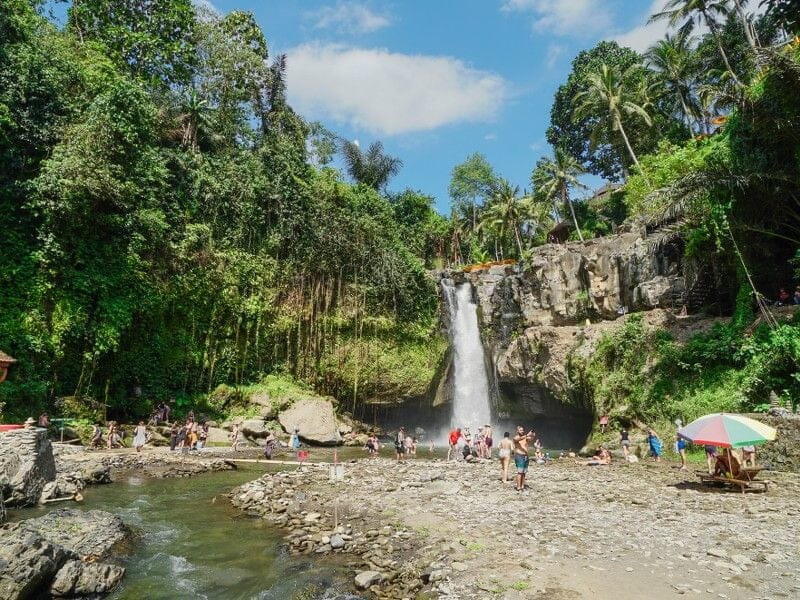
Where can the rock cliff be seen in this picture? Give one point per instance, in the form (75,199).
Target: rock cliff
(536,314)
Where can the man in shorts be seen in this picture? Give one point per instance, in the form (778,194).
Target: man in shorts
(521,442)
(453,438)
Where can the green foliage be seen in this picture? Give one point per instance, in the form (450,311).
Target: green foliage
(160,240)
(152,39)
(640,372)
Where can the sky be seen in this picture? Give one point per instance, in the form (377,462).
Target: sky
(436,80)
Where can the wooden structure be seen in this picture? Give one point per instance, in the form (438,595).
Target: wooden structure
(5,362)
(746,479)
(559,234)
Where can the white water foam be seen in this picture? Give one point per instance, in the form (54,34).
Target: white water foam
(471,401)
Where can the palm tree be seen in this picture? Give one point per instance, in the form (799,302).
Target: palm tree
(555,177)
(503,214)
(747,24)
(607,93)
(686,14)
(194,120)
(373,167)
(671,58)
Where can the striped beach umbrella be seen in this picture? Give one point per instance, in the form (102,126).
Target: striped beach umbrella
(727,430)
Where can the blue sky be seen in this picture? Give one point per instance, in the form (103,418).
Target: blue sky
(436,80)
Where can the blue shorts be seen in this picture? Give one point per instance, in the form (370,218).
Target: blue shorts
(521,461)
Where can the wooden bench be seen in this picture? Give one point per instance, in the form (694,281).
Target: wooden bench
(745,480)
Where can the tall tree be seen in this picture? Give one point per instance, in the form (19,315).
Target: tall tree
(153,38)
(672,59)
(606,93)
(471,183)
(554,177)
(785,12)
(373,168)
(604,156)
(687,14)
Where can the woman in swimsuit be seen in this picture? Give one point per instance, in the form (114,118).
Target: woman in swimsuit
(506,446)
(487,432)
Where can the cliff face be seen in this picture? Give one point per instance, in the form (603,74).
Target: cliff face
(536,315)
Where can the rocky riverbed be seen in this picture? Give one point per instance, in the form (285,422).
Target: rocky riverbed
(430,529)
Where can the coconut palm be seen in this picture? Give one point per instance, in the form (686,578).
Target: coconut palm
(555,177)
(671,59)
(373,167)
(502,215)
(687,14)
(606,93)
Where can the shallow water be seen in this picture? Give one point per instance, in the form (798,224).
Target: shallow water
(192,543)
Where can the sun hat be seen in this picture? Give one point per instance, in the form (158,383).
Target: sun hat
(29,421)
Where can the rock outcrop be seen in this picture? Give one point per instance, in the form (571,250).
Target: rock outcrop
(565,284)
(26,465)
(315,419)
(57,555)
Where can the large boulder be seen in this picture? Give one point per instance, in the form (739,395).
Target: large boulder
(26,465)
(253,428)
(90,532)
(28,563)
(57,555)
(315,419)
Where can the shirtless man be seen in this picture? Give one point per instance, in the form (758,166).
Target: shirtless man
(521,442)
(506,447)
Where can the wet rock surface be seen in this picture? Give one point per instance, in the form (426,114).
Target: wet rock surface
(431,529)
(60,555)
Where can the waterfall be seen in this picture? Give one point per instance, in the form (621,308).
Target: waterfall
(470,383)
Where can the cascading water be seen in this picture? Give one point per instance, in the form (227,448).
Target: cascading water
(470,383)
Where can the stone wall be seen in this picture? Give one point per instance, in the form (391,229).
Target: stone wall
(784,453)
(26,465)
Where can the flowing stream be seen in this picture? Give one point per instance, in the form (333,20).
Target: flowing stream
(470,384)
(193,544)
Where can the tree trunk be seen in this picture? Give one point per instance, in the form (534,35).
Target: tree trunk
(749,30)
(722,53)
(630,151)
(568,202)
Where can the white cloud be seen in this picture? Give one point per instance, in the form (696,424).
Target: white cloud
(389,93)
(643,36)
(575,18)
(490,137)
(554,52)
(640,38)
(352,17)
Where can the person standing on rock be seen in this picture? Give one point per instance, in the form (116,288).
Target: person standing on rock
(235,437)
(521,460)
(173,436)
(625,441)
(506,447)
(400,444)
(655,445)
(269,445)
(488,441)
(139,436)
(453,438)
(680,448)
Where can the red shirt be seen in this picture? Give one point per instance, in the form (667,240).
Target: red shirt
(454,435)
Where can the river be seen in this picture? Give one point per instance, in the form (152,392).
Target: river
(191,543)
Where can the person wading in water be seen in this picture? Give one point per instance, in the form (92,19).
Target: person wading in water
(521,442)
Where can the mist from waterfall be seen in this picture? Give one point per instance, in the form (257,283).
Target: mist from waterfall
(471,406)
